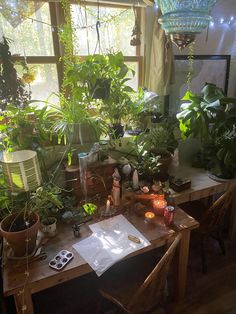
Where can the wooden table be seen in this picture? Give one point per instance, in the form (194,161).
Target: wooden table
(202,186)
(41,276)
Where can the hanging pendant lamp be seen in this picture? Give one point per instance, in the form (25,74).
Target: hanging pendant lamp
(183,19)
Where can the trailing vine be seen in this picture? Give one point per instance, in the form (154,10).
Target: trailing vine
(190,65)
(67,37)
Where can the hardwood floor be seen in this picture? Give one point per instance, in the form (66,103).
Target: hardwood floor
(214,292)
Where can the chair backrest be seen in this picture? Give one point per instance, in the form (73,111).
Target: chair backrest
(214,216)
(153,287)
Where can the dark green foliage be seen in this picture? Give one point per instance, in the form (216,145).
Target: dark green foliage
(12,89)
(211,116)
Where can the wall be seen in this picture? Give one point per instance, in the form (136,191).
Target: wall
(221,39)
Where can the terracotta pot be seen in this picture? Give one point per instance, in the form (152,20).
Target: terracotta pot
(17,239)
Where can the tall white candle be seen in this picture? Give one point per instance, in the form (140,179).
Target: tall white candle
(108,205)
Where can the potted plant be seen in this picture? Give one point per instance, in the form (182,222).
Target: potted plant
(93,74)
(211,118)
(20,225)
(46,200)
(100,82)
(155,148)
(71,122)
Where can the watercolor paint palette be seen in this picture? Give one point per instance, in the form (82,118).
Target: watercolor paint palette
(61,259)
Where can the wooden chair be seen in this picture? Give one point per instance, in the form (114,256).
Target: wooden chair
(138,287)
(211,220)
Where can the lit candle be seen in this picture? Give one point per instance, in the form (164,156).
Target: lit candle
(149,216)
(159,205)
(108,205)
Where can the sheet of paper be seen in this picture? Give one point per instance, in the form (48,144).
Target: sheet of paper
(109,243)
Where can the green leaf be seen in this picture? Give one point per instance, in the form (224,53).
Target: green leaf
(187,96)
(221,154)
(128,89)
(228,159)
(183,114)
(214,105)
(211,93)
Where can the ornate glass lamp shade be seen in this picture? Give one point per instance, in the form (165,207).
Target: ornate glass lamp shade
(183,19)
(21,170)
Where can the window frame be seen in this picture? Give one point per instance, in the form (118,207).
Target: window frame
(57,18)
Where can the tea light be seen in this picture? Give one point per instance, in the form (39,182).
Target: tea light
(159,205)
(149,216)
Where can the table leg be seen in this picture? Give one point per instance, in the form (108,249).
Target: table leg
(182,262)
(23,302)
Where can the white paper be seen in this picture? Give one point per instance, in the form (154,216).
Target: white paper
(109,243)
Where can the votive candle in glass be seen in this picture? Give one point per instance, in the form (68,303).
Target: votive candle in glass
(159,204)
(149,216)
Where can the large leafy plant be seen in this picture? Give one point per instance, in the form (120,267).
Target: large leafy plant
(211,117)
(22,128)
(101,82)
(67,120)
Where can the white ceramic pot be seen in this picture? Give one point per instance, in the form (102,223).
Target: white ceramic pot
(49,229)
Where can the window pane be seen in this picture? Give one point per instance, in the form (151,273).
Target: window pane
(28,37)
(115,30)
(45,83)
(134,79)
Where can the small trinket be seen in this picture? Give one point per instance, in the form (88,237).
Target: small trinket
(76,230)
(157,186)
(145,189)
(135,180)
(133,238)
(116,188)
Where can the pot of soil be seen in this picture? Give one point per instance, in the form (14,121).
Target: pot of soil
(49,226)
(116,131)
(15,230)
(165,162)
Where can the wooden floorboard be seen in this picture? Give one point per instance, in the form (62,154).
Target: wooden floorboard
(214,292)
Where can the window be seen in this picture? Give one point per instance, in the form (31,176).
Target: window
(34,41)
(116,25)
(34,37)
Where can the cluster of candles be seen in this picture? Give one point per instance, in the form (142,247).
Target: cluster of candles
(159,204)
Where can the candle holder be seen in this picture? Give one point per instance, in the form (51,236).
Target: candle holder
(109,209)
(159,205)
(149,216)
(108,212)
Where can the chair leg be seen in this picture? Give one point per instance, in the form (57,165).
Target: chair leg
(203,254)
(221,242)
